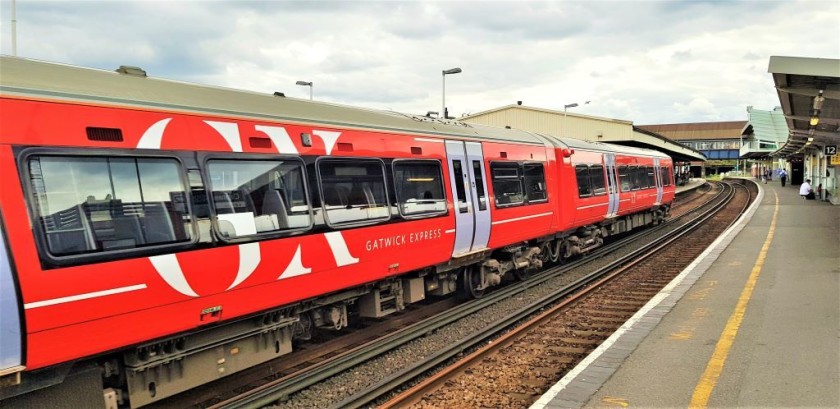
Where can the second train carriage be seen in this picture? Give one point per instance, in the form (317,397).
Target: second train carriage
(154,225)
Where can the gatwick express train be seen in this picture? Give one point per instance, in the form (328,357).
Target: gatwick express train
(157,235)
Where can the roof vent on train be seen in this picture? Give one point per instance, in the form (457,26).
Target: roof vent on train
(131,70)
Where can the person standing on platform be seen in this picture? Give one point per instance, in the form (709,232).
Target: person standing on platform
(783,176)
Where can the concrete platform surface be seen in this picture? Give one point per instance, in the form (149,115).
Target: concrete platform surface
(753,322)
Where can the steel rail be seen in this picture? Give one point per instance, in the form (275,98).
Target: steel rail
(592,280)
(287,385)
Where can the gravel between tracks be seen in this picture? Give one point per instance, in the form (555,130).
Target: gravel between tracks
(336,389)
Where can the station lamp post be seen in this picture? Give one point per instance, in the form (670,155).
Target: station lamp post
(449,71)
(306,84)
(566,108)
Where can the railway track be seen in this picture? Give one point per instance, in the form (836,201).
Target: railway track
(530,358)
(292,374)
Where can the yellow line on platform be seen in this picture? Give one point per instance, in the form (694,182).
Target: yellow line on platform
(704,388)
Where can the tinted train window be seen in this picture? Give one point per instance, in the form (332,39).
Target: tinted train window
(460,190)
(419,188)
(535,182)
(97,204)
(635,178)
(353,191)
(479,185)
(584,187)
(651,180)
(258,196)
(507,185)
(596,177)
(665,175)
(625,177)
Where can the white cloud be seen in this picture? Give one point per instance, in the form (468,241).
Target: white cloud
(645,61)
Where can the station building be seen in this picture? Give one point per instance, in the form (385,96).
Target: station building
(588,128)
(717,141)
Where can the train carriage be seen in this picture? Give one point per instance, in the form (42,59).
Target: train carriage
(148,223)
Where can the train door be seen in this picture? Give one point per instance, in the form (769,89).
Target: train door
(658,177)
(468,177)
(11,348)
(612,185)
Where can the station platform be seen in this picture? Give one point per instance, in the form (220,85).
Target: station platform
(753,322)
(692,184)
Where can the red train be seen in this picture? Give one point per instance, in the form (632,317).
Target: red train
(157,235)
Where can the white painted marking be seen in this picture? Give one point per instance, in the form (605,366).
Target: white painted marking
(591,206)
(170,270)
(429,140)
(522,218)
(295,267)
(280,137)
(229,131)
(151,139)
(723,240)
(450,231)
(339,249)
(249,259)
(329,138)
(85,296)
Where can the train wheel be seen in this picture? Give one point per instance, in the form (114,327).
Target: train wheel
(555,250)
(545,252)
(473,287)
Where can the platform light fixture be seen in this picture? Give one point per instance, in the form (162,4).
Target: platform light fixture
(566,108)
(818,101)
(455,70)
(306,84)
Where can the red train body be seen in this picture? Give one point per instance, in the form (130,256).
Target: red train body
(149,223)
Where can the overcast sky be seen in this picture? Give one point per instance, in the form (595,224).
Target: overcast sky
(649,62)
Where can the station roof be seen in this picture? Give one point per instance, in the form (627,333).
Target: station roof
(764,126)
(652,140)
(809,92)
(698,131)
(583,127)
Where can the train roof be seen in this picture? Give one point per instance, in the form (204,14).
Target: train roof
(33,78)
(605,147)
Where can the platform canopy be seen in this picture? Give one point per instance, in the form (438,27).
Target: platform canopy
(809,92)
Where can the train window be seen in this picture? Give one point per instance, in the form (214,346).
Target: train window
(479,185)
(596,177)
(460,191)
(419,188)
(507,185)
(635,178)
(641,173)
(535,182)
(258,196)
(651,180)
(98,204)
(665,175)
(582,174)
(625,177)
(353,191)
